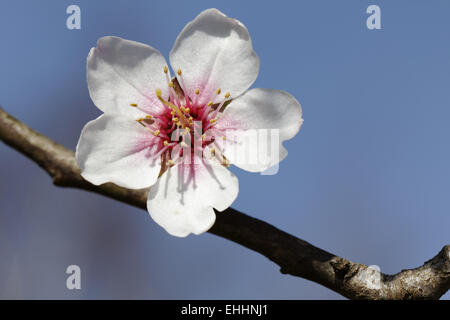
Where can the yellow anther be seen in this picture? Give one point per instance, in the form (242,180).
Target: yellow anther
(226,162)
(187,129)
(166,143)
(133,104)
(171,106)
(171,84)
(191,119)
(179,71)
(172,113)
(157,132)
(203,136)
(213,151)
(197,91)
(166,69)
(175,119)
(148,117)
(210,103)
(227,95)
(224,138)
(187,110)
(218,91)
(212,121)
(170,162)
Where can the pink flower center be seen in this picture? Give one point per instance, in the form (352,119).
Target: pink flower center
(186,126)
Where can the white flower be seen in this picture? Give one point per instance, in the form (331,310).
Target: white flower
(150,119)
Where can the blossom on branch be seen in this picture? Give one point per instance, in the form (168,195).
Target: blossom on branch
(179,134)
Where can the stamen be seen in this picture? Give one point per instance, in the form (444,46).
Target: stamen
(173,96)
(216,114)
(180,121)
(133,105)
(183,86)
(220,155)
(172,106)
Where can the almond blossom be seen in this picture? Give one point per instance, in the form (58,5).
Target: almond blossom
(170,132)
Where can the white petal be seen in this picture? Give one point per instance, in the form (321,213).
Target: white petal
(116,149)
(122,72)
(214,51)
(249,146)
(182,202)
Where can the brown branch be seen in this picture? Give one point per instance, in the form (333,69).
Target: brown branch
(295,256)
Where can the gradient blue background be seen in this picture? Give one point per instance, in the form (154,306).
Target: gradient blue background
(367,177)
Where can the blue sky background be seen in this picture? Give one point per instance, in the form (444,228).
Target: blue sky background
(367,177)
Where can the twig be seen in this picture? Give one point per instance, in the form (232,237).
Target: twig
(295,256)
